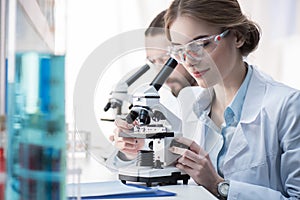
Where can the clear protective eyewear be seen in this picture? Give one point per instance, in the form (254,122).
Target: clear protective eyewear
(196,49)
(159,59)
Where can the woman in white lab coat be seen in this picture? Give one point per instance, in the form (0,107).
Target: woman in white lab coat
(244,133)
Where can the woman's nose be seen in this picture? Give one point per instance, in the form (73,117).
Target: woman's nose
(190,61)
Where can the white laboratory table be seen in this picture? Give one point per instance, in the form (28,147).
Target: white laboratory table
(93,171)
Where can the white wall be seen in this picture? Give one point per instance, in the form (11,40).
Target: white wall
(280,24)
(92,22)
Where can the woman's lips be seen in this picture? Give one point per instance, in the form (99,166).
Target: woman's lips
(198,74)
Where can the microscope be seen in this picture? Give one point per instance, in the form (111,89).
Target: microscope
(158,124)
(119,93)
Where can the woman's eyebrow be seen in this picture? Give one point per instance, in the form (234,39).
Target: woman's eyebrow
(195,38)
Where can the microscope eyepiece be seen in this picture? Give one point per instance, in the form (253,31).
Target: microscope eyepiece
(131,116)
(164,73)
(107,107)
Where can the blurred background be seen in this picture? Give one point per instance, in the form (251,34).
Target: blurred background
(90,23)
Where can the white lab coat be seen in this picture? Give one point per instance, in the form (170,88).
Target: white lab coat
(263,159)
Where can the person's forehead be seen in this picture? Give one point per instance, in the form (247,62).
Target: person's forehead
(159,41)
(156,45)
(184,29)
(152,52)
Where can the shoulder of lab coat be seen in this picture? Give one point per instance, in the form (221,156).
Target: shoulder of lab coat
(114,163)
(263,158)
(190,123)
(168,100)
(186,99)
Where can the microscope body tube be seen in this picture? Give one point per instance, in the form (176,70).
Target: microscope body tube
(137,74)
(164,73)
(146,98)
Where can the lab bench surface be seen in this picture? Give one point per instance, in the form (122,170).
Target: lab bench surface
(93,171)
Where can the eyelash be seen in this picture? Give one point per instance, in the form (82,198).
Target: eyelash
(204,44)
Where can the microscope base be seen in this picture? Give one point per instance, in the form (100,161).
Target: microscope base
(160,176)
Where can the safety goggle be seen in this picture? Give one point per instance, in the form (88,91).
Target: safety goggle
(158,59)
(196,49)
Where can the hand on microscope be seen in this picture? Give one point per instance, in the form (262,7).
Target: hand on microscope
(196,163)
(128,147)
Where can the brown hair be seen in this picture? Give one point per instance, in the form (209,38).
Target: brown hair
(225,14)
(157,25)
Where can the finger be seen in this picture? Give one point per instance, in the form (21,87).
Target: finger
(193,156)
(187,162)
(185,168)
(190,171)
(111,138)
(140,142)
(192,145)
(130,151)
(123,124)
(134,141)
(135,123)
(124,145)
(187,154)
(178,150)
(195,162)
(127,140)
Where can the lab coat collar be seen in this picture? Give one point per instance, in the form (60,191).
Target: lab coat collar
(238,144)
(254,97)
(201,104)
(250,113)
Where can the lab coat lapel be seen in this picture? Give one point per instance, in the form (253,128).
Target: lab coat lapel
(238,143)
(193,127)
(254,98)
(251,109)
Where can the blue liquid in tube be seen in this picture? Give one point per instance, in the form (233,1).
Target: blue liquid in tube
(36,128)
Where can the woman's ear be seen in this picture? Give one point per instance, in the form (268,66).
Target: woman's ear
(239,39)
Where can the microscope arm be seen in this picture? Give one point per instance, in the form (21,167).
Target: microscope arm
(120,91)
(137,74)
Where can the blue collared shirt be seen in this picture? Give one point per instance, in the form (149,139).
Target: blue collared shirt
(232,115)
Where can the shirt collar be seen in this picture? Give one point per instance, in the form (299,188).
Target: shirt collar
(232,114)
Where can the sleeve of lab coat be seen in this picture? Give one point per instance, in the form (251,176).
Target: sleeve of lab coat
(289,138)
(114,162)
